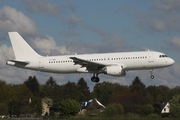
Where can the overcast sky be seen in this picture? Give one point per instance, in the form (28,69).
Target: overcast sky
(59,27)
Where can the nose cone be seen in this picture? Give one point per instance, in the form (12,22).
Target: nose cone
(170,61)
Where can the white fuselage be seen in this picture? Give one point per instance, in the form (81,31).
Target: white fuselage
(114,64)
(132,60)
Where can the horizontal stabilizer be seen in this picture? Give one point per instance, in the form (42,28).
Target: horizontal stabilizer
(17,63)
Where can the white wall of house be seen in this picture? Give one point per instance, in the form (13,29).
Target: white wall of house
(166,109)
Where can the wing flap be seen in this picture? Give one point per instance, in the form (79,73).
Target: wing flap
(90,65)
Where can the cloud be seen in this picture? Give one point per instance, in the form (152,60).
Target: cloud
(68,33)
(5,53)
(174,43)
(47,46)
(163,17)
(167,5)
(111,42)
(72,6)
(13,20)
(42,6)
(72,21)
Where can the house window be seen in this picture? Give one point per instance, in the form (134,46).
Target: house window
(164,109)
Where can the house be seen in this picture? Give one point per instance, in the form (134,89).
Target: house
(45,109)
(92,104)
(166,108)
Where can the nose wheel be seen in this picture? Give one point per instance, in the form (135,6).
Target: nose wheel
(95,78)
(151,76)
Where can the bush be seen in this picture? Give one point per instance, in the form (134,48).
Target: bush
(69,107)
(174,111)
(153,116)
(111,110)
(132,116)
(147,109)
(120,108)
(92,111)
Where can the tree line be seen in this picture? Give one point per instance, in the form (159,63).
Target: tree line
(26,98)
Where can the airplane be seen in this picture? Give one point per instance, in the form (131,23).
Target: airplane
(113,64)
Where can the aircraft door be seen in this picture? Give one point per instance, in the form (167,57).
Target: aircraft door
(150,57)
(40,63)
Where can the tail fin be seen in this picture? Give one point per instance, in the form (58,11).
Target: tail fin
(21,48)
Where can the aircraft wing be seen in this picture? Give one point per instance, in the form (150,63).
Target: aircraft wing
(90,65)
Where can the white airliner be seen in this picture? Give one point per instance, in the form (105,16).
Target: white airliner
(114,64)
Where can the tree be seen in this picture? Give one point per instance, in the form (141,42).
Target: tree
(33,85)
(37,106)
(21,96)
(6,92)
(147,109)
(70,91)
(51,82)
(137,86)
(103,91)
(51,90)
(69,107)
(48,101)
(175,106)
(131,102)
(120,108)
(3,109)
(111,110)
(84,92)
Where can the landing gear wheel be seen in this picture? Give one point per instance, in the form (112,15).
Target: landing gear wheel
(95,78)
(152,76)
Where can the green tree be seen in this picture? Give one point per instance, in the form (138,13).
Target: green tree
(175,106)
(3,109)
(51,90)
(111,110)
(51,82)
(6,92)
(137,86)
(48,101)
(33,85)
(69,107)
(70,91)
(21,97)
(120,108)
(84,92)
(14,107)
(147,109)
(103,91)
(36,104)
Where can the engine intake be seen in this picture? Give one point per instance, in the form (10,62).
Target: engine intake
(115,70)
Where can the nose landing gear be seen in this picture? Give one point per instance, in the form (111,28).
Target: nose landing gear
(151,76)
(95,78)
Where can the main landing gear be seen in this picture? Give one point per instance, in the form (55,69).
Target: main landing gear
(152,76)
(95,78)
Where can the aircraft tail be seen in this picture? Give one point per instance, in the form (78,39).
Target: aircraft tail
(21,48)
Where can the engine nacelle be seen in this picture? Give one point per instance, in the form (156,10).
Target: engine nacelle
(115,70)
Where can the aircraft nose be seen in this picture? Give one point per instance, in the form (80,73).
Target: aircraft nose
(171,61)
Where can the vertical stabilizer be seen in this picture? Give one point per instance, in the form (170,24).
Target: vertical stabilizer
(21,48)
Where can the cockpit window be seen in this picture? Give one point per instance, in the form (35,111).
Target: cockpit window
(162,56)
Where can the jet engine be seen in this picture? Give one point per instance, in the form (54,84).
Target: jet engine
(115,70)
